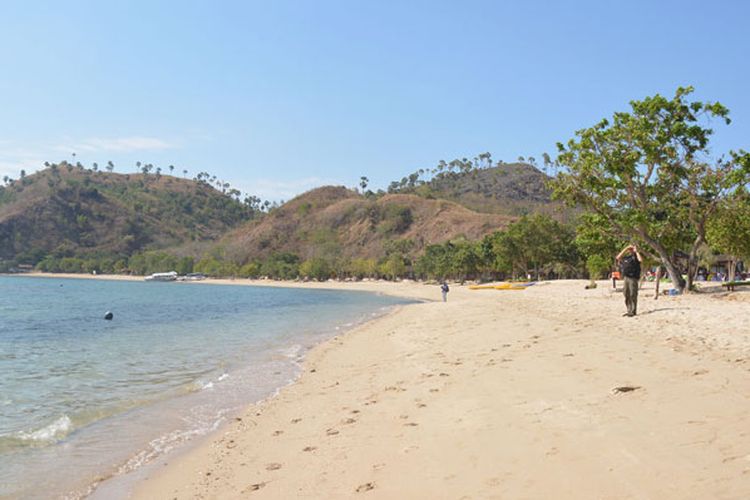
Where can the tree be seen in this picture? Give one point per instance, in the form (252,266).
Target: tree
(643,175)
(728,230)
(110,166)
(363,181)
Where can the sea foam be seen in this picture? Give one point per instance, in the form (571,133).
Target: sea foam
(49,433)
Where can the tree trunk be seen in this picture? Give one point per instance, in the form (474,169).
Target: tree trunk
(692,269)
(674,273)
(658,279)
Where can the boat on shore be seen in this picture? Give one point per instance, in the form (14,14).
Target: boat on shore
(170,276)
(192,277)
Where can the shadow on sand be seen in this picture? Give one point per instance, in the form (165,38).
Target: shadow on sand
(663,309)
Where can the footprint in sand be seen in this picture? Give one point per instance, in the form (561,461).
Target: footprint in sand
(254,487)
(273,466)
(309,448)
(365,487)
(331,432)
(296,420)
(348,421)
(278,433)
(421,405)
(411,424)
(625,388)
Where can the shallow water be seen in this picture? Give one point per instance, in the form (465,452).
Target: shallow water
(82,398)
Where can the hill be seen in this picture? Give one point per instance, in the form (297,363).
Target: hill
(512,189)
(64,211)
(335,222)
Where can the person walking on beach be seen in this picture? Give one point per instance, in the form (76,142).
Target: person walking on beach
(445,289)
(630,265)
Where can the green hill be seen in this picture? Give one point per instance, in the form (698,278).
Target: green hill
(64,211)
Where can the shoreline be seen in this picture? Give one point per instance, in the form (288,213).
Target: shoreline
(114,482)
(407,289)
(547,392)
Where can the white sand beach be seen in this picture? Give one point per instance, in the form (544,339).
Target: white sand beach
(543,393)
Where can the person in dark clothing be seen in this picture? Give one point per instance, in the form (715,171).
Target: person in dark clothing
(630,267)
(444,288)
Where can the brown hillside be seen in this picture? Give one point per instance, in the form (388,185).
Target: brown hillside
(77,212)
(334,221)
(512,189)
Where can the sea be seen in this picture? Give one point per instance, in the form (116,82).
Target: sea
(84,399)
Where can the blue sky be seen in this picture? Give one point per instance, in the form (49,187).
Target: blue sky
(278,97)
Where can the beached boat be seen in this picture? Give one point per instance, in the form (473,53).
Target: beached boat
(192,277)
(170,276)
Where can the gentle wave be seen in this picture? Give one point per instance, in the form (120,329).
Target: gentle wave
(48,434)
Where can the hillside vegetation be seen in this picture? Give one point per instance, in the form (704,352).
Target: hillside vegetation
(72,219)
(335,222)
(67,212)
(513,189)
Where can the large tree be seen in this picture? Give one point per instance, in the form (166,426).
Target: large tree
(728,229)
(648,176)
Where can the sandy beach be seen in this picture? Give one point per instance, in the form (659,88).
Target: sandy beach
(543,393)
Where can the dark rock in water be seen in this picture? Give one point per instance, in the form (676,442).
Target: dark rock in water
(109,315)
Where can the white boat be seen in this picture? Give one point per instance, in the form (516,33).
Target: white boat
(170,276)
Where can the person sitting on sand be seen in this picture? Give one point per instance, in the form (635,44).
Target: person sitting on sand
(630,264)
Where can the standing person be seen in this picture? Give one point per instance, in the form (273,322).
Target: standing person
(630,265)
(444,288)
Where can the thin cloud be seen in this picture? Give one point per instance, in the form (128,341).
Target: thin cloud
(119,145)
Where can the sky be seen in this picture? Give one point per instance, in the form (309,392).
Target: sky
(280,97)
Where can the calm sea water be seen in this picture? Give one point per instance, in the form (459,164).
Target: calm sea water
(83,399)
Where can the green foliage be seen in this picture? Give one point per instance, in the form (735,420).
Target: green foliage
(598,266)
(641,173)
(393,267)
(537,243)
(316,268)
(395,220)
(152,262)
(282,265)
(250,270)
(362,268)
(728,230)
(211,266)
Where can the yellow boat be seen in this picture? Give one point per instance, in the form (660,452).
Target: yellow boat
(503,286)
